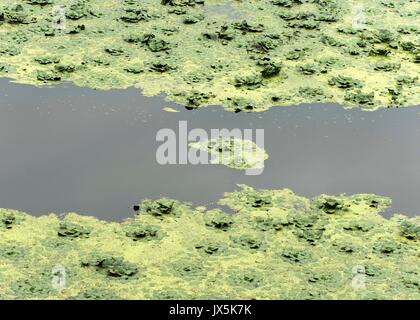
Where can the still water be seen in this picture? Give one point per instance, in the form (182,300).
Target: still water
(68,149)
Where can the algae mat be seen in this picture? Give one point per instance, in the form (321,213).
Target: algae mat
(276,245)
(239,154)
(243,55)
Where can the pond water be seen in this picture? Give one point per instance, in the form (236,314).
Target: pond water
(68,149)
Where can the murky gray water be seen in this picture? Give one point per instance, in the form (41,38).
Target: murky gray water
(74,149)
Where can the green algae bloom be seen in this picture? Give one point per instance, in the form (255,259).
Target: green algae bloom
(234,153)
(243,55)
(275,245)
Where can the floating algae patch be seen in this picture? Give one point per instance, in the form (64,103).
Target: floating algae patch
(170,109)
(232,152)
(277,245)
(243,55)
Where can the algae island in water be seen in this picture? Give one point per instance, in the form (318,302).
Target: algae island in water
(276,245)
(248,56)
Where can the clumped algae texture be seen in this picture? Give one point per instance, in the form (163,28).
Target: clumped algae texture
(235,153)
(243,55)
(275,245)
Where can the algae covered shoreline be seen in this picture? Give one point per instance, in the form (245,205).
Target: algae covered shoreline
(269,53)
(276,245)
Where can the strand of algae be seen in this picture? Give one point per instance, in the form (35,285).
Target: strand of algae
(248,56)
(277,245)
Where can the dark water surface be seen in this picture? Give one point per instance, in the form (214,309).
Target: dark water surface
(74,149)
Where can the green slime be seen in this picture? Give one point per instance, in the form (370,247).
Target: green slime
(275,245)
(243,55)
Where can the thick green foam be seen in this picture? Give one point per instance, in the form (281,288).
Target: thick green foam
(276,245)
(245,56)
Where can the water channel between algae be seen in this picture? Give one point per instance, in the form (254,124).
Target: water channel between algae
(250,56)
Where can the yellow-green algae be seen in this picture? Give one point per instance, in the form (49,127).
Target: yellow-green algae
(244,55)
(240,154)
(276,245)
(169,109)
